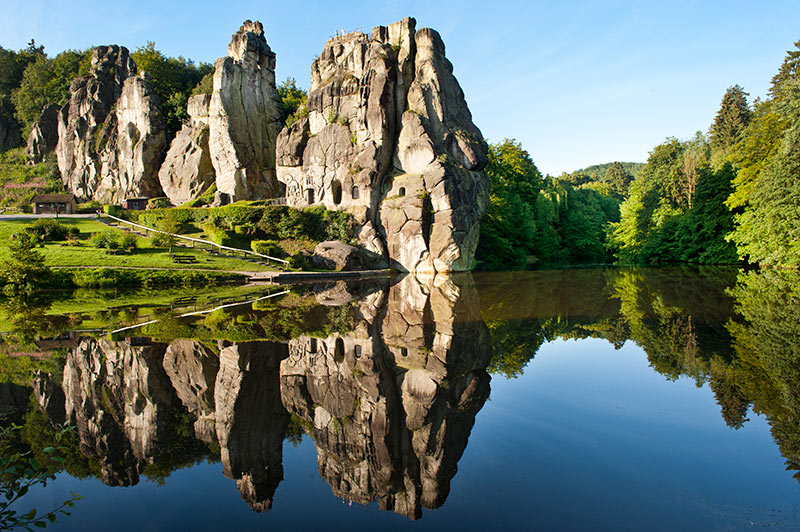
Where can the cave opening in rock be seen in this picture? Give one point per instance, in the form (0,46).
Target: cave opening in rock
(338,351)
(355,194)
(336,188)
(310,193)
(402,192)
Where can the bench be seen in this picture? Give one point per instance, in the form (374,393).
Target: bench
(184,259)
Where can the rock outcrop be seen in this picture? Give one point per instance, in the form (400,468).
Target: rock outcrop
(44,135)
(335,255)
(244,118)
(187,170)
(9,134)
(389,137)
(111,139)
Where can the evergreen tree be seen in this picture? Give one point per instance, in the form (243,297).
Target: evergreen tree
(731,120)
(788,73)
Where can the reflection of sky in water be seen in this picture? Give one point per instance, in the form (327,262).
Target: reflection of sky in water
(588,438)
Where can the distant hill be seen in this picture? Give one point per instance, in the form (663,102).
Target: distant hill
(599,170)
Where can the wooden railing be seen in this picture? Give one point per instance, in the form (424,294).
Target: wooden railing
(245,252)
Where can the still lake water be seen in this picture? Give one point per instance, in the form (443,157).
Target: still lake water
(602,399)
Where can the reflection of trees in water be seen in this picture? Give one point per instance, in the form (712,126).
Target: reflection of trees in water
(387,387)
(738,334)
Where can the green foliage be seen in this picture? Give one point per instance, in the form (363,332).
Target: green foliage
(49,230)
(20,181)
(206,85)
(105,240)
(174,79)
(21,472)
(675,211)
(23,269)
(46,81)
(541,220)
(129,242)
(731,120)
(267,247)
(292,98)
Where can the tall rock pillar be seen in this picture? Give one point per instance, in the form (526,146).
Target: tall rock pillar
(244,118)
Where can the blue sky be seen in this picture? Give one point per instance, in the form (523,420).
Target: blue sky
(577,83)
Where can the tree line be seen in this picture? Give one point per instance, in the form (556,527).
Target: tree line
(731,195)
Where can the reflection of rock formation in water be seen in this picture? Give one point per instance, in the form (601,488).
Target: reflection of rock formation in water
(115,394)
(392,403)
(250,420)
(389,404)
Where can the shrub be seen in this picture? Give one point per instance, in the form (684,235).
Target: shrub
(158,203)
(48,230)
(267,247)
(129,241)
(105,240)
(112,210)
(215,233)
(162,240)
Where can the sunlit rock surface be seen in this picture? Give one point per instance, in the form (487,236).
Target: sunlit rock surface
(187,170)
(389,137)
(111,139)
(244,118)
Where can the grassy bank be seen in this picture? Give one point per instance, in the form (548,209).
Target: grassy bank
(82,253)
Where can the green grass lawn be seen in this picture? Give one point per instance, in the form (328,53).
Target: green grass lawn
(146,256)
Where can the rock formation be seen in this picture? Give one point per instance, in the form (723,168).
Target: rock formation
(9,134)
(111,139)
(335,255)
(187,170)
(244,118)
(44,135)
(389,137)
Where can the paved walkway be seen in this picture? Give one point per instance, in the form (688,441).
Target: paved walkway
(18,216)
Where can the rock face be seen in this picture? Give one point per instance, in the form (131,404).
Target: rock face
(9,134)
(111,139)
(389,137)
(187,170)
(244,118)
(335,255)
(44,135)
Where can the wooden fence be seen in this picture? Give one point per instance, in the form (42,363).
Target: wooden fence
(245,252)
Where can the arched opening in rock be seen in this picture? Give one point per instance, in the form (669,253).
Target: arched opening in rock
(336,189)
(313,347)
(357,351)
(401,192)
(310,193)
(355,194)
(403,352)
(338,350)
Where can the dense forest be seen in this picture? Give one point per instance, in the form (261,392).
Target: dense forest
(726,196)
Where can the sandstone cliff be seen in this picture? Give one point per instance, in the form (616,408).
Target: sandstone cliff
(44,135)
(244,118)
(389,137)
(110,136)
(187,170)
(9,134)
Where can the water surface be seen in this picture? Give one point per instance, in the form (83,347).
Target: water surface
(601,399)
